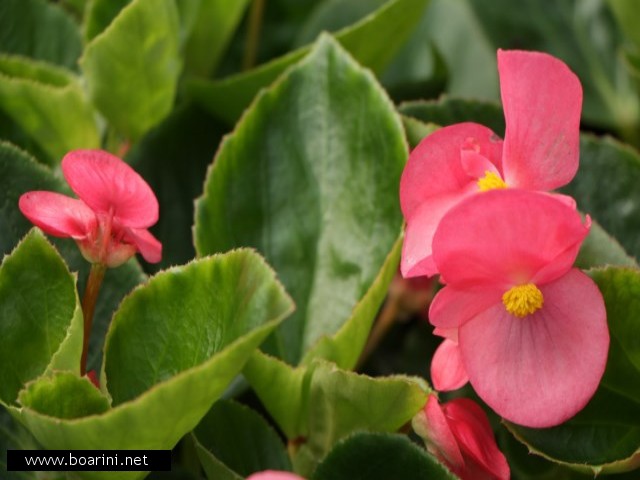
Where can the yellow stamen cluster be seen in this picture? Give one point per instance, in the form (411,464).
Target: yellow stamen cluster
(523,300)
(490,181)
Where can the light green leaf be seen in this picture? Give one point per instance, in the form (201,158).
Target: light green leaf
(215,23)
(291,181)
(416,130)
(372,42)
(49,104)
(377,456)
(342,402)
(239,438)
(40,316)
(40,30)
(20,173)
(64,395)
(605,435)
(132,67)
(185,350)
(99,14)
(605,187)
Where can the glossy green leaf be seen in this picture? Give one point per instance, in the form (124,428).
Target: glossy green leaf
(64,395)
(173,158)
(215,22)
(342,402)
(40,316)
(241,439)
(40,30)
(372,42)
(376,456)
(605,187)
(186,353)
(290,182)
(185,316)
(132,67)
(49,105)
(20,173)
(605,435)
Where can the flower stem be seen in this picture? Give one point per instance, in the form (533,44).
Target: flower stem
(253,34)
(96,275)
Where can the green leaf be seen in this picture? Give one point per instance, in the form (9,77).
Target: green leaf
(132,67)
(342,402)
(13,436)
(450,110)
(292,184)
(241,439)
(64,395)
(49,104)
(605,187)
(40,316)
(600,249)
(376,456)
(173,158)
(190,373)
(605,435)
(20,173)
(184,316)
(625,12)
(372,42)
(416,130)
(40,30)
(215,22)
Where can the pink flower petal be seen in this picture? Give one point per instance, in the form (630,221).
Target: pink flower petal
(416,249)
(435,167)
(452,307)
(58,214)
(542,369)
(148,245)
(504,237)
(542,100)
(274,475)
(106,183)
(434,429)
(471,428)
(447,369)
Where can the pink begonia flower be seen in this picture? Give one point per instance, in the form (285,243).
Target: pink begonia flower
(447,369)
(542,100)
(109,221)
(458,433)
(274,475)
(532,331)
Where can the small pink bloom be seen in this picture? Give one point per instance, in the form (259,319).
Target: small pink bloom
(447,369)
(542,101)
(458,433)
(274,475)
(532,330)
(109,221)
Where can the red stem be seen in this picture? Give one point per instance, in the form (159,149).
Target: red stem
(96,275)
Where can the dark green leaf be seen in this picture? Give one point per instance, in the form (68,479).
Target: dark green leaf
(40,316)
(241,439)
(372,42)
(600,249)
(173,158)
(40,30)
(605,436)
(606,188)
(132,67)
(99,14)
(370,456)
(290,181)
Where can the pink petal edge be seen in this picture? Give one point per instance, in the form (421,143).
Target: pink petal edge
(447,370)
(58,215)
(107,184)
(274,475)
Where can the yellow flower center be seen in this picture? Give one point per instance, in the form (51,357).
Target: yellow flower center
(523,300)
(490,181)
